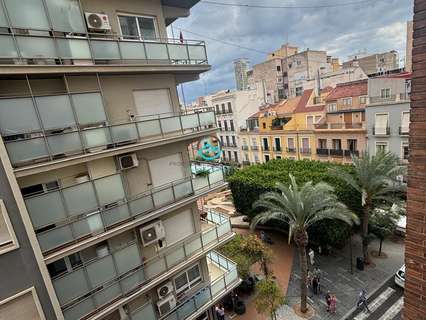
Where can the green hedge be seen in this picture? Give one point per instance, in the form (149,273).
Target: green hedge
(247,184)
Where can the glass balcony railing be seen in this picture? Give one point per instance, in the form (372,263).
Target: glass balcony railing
(41,48)
(83,210)
(40,129)
(106,279)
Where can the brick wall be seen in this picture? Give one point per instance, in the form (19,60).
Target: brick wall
(415,251)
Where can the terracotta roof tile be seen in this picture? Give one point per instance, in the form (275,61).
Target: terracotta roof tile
(349,89)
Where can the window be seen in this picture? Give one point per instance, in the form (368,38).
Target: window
(310,122)
(298,62)
(24,305)
(352,144)
(227,140)
(264,125)
(187,279)
(317,119)
(405,152)
(278,68)
(266,157)
(246,157)
(220,125)
(229,107)
(278,157)
(290,143)
(405,122)
(234,141)
(236,156)
(223,108)
(225,124)
(385,93)
(221,140)
(256,158)
(347,101)
(363,100)
(39,188)
(277,144)
(381,147)
(8,239)
(322,143)
(305,144)
(138,27)
(254,142)
(332,107)
(217,109)
(229,155)
(265,144)
(231,123)
(382,123)
(299,91)
(337,144)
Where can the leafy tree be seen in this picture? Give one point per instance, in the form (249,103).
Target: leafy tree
(375,179)
(383,223)
(301,207)
(269,297)
(247,250)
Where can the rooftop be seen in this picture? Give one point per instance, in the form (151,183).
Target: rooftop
(349,89)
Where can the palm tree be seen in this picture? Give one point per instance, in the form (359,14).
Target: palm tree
(301,207)
(375,178)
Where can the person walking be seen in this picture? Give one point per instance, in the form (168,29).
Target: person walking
(333,303)
(315,285)
(220,312)
(311,255)
(328,300)
(362,300)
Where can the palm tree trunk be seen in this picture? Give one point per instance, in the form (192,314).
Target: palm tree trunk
(365,218)
(303,276)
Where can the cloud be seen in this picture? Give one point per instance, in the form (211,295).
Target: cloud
(377,26)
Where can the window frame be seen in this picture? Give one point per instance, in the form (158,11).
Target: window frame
(385,90)
(36,300)
(347,101)
(405,144)
(13,244)
(363,99)
(189,284)
(156,29)
(385,143)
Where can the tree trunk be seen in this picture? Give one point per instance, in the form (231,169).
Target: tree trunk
(366,216)
(301,240)
(380,246)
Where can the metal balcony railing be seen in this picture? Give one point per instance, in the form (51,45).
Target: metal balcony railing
(266,148)
(323,152)
(277,149)
(336,126)
(255,148)
(349,153)
(336,152)
(104,280)
(381,131)
(93,207)
(305,150)
(291,150)
(74,130)
(41,48)
(244,148)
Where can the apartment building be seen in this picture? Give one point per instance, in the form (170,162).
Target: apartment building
(98,214)
(374,63)
(284,51)
(333,78)
(342,131)
(241,67)
(388,114)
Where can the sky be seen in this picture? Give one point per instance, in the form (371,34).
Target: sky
(375,26)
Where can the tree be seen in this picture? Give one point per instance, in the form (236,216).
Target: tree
(375,178)
(269,297)
(383,223)
(247,250)
(301,207)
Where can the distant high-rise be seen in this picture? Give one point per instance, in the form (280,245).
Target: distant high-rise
(241,67)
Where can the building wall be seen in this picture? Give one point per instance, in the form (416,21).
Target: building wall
(409,47)
(397,86)
(415,242)
(241,67)
(376,62)
(273,79)
(331,79)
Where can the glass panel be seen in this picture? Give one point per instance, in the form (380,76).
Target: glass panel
(217,287)
(223,229)
(3,21)
(186,309)
(21,151)
(55,111)
(154,268)
(65,143)
(7,47)
(209,237)
(90,225)
(189,121)
(109,189)
(71,286)
(174,257)
(178,52)
(183,189)
(200,183)
(197,52)
(216,176)
(27,14)
(54,238)
(156,51)
(96,137)
(89,108)
(128,27)
(202,297)
(107,294)
(101,271)
(79,310)
(163,197)
(73,49)
(231,276)
(105,50)
(141,205)
(145,313)
(132,281)
(45,209)
(132,50)
(115,215)
(80,198)
(18,115)
(127,259)
(193,246)
(170,124)
(36,47)
(66,15)
(149,128)
(123,133)
(207,118)
(147,28)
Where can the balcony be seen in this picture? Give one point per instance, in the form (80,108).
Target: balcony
(349,153)
(336,152)
(103,281)
(404,131)
(255,148)
(223,278)
(97,49)
(80,212)
(48,128)
(323,152)
(340,126)
(381,131)
(277,149)
(291,150)
(305,150)
(400,97)
(245,148)
(265,148)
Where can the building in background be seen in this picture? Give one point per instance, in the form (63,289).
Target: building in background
(241,67)
(374,63)
(98,212)
(409,47)
(342,131)
(388,114)
(285,51)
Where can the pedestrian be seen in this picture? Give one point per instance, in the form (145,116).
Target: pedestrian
(328,300)
(220,312)
(333,303)
(309,282)
(318,284)
(315,285)
(362,300)
(311,255)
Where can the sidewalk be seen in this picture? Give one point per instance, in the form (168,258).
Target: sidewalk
(337,278)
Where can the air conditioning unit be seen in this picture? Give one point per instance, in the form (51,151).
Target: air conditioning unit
(97,21)
(152,233)
(128,161)
(165,289)
(166,305)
